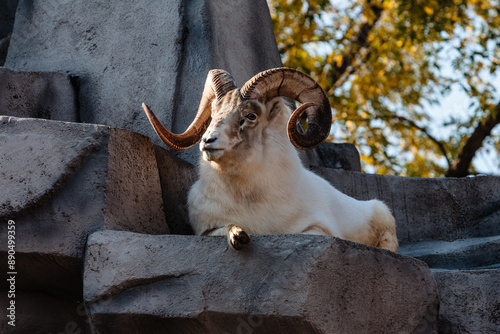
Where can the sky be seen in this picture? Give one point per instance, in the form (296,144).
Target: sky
(456,103)
(486,160)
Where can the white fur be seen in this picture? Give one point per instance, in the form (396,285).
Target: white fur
(269,191)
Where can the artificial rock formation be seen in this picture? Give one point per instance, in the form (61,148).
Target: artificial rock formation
(47,95)
(429,208)
(96,62)
(60,182)
(343,156)
(7,16)
(453,225)
(470,302)
(129,52)
(278,284)
(176,177)
(41,312)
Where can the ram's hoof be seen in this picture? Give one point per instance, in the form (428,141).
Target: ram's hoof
(236,237)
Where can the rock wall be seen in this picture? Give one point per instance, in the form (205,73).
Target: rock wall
(279,284)
(128,52)
(96,204)
(60,182)
(47,95)
(453,224)
(7,17)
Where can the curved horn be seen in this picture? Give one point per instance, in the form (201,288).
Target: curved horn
(302,88)
(218,83)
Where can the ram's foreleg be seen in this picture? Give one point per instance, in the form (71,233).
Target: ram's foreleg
(380,230)
(384,226)
(317,229)
(236,237)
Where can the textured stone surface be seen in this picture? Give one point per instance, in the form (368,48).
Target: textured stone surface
(445,209)
(338,156)
(61,181)
(279,284)
(127,52)
(46,95)
(4,46)
(176,177)
(470,253)
(7,15)
(38,312)
(450,224)
(470,301)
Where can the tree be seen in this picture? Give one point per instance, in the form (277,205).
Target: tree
(381,64)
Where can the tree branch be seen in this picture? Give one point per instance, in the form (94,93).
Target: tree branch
(360,41)
(424,130)
(343,78)
(460,166)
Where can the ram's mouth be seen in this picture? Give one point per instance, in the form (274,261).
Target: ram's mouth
(210,149)
(212,153)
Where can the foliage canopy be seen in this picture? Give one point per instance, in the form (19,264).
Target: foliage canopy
(381,64)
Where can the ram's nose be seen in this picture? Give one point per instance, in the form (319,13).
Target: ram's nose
(209,138)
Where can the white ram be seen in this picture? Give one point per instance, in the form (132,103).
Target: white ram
(251,177)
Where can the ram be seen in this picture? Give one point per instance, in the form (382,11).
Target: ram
(251,180)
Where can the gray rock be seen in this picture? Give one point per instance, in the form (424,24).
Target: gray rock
(470,301)
(428,209)
(129,52)
(61,181)
(176,178)
(4,46)
(7,16)
(46,95)
(470,253)
(338,156)
(450,223)
(278,284)
(38,312)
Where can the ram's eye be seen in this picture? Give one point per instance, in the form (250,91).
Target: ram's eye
(251,116)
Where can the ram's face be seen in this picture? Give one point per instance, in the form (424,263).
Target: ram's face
(235,129)
(236,118)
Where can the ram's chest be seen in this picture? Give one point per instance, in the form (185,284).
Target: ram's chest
(260,217)
(255,211)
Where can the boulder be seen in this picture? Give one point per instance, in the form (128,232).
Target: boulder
(38,312)
(278,284)
(338,156)
(48,95)
(452,225)
(470,301)
(4,46)
(7,15)
(176,178)
(129,52)
(464,254)
(427,209)
(61,181)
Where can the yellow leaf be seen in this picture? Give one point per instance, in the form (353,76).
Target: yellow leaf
(428,10)
(338,60)
(400,43)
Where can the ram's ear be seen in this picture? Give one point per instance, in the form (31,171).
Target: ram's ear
(274,107)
